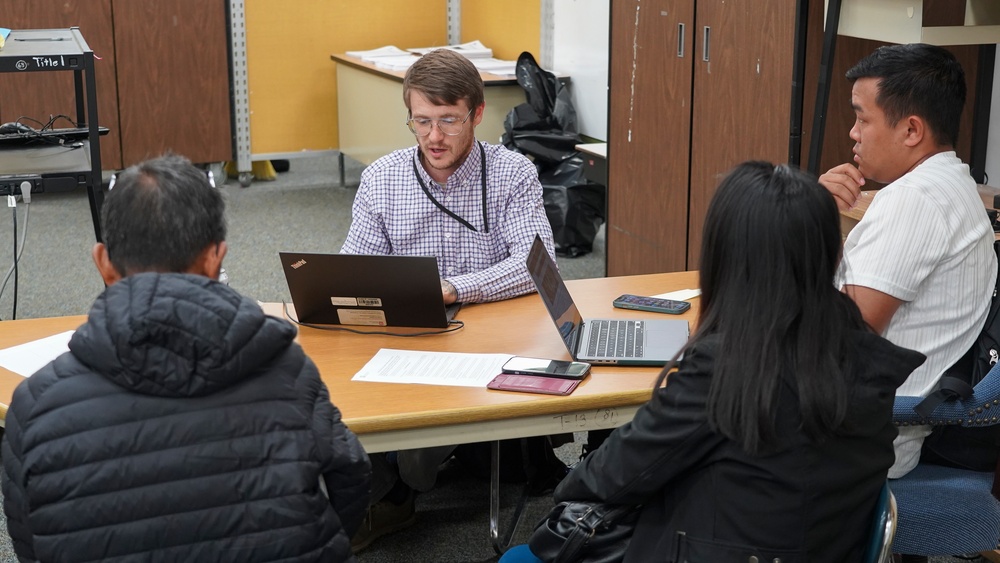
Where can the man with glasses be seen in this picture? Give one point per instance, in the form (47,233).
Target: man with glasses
(475,206)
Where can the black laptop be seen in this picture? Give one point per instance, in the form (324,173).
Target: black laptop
(368,290)
(636,342)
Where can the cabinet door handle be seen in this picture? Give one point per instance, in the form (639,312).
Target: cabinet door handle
(680,40)
(706,44)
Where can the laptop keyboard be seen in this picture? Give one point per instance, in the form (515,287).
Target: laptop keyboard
(616,339)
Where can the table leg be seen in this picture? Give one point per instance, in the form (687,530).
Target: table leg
(498,545)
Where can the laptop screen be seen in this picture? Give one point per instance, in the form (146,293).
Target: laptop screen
(554,294)
(360,289)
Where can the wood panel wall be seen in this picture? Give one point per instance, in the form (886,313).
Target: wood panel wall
(173,79)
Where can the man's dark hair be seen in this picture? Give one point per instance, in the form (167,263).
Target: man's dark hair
(160,215)
(917,79)
(444,77)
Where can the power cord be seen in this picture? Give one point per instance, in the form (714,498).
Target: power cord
(36,134)
(18,249)
(455,325)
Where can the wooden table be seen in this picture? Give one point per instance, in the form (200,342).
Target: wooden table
(388,416)
(392,416)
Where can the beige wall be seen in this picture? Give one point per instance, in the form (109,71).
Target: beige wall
(292,81)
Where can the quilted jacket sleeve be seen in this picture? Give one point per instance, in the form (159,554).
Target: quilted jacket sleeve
(15,502)
(346,469)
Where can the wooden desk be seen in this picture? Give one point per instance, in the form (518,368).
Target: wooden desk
(851,217)
(393,416)
(595,162)
(371,116)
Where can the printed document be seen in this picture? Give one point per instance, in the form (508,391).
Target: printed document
(30,357)
(432,368)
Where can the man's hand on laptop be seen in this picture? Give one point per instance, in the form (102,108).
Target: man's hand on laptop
(449,292)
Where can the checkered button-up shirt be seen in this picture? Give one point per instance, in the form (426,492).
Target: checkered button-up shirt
(392,215)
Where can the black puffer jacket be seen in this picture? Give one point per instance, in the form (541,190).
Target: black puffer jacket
(184,425)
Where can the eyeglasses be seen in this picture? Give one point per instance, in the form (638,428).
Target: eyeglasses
(450,126)
(208,175)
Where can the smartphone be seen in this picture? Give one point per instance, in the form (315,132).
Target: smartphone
(533,384)
(654,304)
(547,368)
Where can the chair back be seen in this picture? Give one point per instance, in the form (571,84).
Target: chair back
(879,548)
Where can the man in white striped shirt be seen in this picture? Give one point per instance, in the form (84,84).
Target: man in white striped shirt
(920,265)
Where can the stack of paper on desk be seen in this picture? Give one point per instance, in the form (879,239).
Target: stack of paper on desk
(401,62)
(495,66)
(387,51)
(471,50)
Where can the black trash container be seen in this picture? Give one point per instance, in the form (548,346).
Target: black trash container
(544,129)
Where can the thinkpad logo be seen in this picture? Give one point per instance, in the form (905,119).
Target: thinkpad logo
(298,264)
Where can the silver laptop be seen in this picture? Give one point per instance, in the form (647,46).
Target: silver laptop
(368,290)
(602,341)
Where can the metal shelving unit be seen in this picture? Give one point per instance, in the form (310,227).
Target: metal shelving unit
(58,167)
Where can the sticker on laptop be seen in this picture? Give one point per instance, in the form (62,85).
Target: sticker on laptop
(356,301)
(367,317)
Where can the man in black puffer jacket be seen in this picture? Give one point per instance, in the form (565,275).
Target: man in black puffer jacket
(184,424)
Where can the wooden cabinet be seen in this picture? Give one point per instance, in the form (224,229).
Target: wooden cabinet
(742,95)
(698,86)
(649,135)
(162,77)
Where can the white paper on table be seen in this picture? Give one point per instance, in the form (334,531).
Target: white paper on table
(432,368)
(680,294)
(27,358)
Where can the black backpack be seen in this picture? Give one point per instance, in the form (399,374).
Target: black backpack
(967,448)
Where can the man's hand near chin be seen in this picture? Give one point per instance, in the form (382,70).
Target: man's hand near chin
(449,292)
(844,183)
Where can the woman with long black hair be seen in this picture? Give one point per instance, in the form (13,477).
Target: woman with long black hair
(772,439)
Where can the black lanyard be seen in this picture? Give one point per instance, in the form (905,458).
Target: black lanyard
(486,222)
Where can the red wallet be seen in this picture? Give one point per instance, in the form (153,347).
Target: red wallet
(533,384)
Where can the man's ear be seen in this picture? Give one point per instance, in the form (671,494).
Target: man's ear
(209,262)
(916,131)
(477,116)
(103,262)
